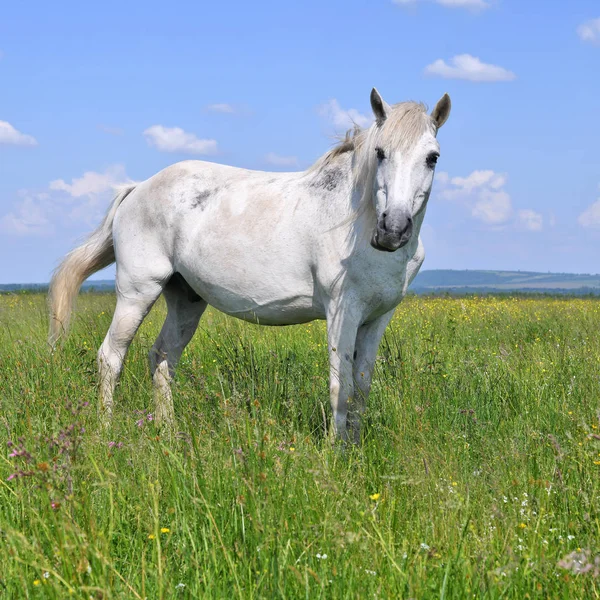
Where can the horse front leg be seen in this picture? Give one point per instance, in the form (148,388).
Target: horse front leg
(341,337)
(367,343)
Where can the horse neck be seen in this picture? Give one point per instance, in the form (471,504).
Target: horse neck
(334,180)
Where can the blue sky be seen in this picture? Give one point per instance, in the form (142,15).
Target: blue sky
(95,94)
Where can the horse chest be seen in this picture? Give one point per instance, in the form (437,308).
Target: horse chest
(381,297)
(382,285)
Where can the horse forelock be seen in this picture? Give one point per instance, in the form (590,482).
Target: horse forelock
(404,127)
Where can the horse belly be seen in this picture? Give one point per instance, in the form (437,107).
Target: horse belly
(255,295)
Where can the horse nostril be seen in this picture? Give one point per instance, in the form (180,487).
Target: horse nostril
(383,219)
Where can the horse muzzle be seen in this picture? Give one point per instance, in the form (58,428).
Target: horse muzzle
(390,236)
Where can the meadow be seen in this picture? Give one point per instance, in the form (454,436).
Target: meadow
(479,475)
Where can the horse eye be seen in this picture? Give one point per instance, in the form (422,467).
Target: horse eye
(432,159)
(380,153)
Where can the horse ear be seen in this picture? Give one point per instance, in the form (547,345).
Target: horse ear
(380,106)
(441,112)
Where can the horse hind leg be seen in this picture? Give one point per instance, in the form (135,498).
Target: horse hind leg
(134,301)
(184,309)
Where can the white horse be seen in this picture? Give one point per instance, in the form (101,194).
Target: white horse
(339,241)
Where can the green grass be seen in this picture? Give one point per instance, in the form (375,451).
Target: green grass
(479,472)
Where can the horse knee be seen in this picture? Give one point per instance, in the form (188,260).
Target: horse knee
(110,362)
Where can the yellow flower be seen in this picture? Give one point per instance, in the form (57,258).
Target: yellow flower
(151,536)
(164,530)
(292,449)
(454,484)
(522,525)
(37,582)
(375,496)
(597,462)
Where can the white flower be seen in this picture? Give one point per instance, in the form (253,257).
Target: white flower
(46,575)
(424,546)
(180,586)
(321,556)
(370,572)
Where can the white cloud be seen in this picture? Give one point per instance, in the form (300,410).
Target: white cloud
(10,135)
(492,208)
(343,118)
(469,68)
(530,220)
(221,107)
(470,4)
(175,139)
(483,195)
(92,183)
(30,216)
(479,179)
(590,217)
(84,200)
(281,161)
(590,31)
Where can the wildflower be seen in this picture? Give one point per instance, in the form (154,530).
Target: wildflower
(151,536)
(375,496)
(37,582)
(46,575)
(580,563)
(368,572)
(321,556)
(522,525)
(292,449)
(180,586)
(164,530)
(425,547)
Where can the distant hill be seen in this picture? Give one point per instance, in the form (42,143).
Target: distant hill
(434,281)
(446,280)
(101,285)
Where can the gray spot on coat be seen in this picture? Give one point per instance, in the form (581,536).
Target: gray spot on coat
(199,201)
(328,179)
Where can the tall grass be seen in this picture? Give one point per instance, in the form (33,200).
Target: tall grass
(479,475)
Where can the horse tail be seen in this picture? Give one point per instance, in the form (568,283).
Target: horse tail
(94,254)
